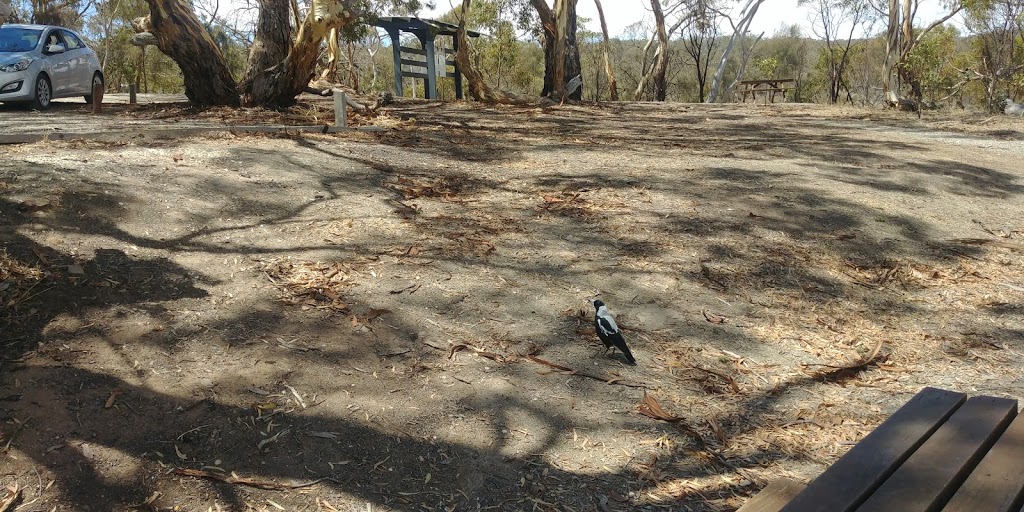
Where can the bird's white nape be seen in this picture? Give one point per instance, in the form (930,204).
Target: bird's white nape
(605,320)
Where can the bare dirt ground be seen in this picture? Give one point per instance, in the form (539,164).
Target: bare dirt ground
(362,321)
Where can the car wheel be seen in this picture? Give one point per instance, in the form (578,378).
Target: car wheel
(43,93)
(97,79)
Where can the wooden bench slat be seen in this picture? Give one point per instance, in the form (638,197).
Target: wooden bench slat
(848,482)
(934,472)
(773,497)
(997,484)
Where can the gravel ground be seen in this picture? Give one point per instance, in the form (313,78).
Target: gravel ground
(401,320)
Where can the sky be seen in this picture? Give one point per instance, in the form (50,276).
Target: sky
(770,17)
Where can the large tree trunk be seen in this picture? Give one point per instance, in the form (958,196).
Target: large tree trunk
(181,36)
(561,54)
(280,84)
(478,88)
(273,35)
(613,86)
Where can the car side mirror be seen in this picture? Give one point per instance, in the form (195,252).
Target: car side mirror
(55,48)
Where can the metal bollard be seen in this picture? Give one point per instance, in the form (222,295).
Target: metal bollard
(131,94)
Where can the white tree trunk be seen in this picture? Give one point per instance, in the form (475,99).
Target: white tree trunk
(739,30)
(745,53)
(613,86)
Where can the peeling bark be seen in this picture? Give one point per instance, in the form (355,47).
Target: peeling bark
(273,35)
(279,85)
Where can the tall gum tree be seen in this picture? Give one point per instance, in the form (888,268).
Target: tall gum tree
(739,31)
(656,74)
(613,87)
(901,38)
(280,84)
(561,54)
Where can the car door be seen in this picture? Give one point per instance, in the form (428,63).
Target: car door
(78,57)
(58,65)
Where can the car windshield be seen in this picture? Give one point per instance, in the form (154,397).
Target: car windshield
(13,39)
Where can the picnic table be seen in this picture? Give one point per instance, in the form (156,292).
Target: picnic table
(940,451)
(768,88)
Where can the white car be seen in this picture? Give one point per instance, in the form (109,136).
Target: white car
(39,63)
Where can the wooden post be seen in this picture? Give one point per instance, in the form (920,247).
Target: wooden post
(131,94)
(340,109)
(97,98)
(430,85)
(458,73)
(396,53)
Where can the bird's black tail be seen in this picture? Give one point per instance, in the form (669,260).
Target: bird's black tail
(627,353)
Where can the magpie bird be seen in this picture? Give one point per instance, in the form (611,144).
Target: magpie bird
(609,333)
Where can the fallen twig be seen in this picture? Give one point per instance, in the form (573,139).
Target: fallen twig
(854,367)
(732,382)
(251,482)
(489,355)
(570,371)
(989,242)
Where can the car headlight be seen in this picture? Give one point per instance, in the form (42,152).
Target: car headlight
(15,66)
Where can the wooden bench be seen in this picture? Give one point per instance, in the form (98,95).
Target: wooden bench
(769,88)
(940,451)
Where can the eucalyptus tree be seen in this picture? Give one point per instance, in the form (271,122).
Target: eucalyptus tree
(740,30)
(561,52)
(282,59)
(700,37)
(831,20)
(901,37)
(999,49)
(613,84)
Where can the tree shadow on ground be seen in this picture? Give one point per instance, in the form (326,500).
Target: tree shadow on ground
(381,455)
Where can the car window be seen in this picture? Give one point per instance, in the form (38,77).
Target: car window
(53,38)
(16,39)
(72,40)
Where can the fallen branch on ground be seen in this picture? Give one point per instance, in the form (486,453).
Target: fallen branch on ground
(482,353)
(251,482)
(994,243)
(570,371)
(857,366)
